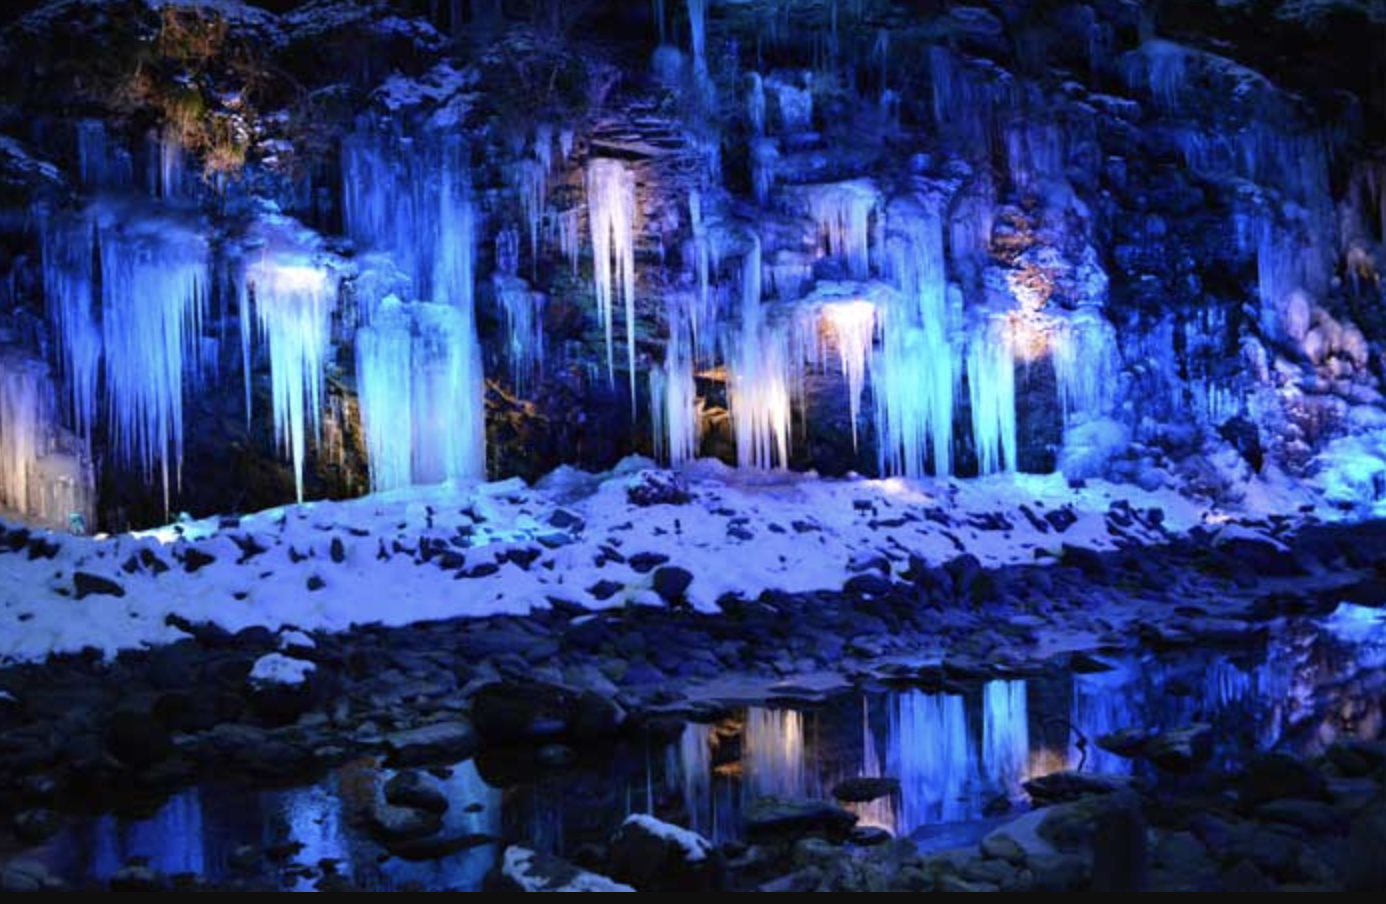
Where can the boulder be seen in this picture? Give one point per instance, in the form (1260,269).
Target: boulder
(791,817)
(1181,749)
(653,855)
(1060,787)
(1271,776)
(409,788)
(864,790)
(522,869)
(137,739)
(439,742)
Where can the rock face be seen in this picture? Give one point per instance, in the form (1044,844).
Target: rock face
(1155,215)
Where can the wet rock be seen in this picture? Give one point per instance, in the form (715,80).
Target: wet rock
(671,583)
(525,870)
(86,584)
(137,739)
(865,790)
(439,742)
(391,823)
(22,875)
(1181,749)
(1272,776)
(791,817)
(656,856)
(136,877)
(1366,864)
(415,790)
(1061,787)
(36,826)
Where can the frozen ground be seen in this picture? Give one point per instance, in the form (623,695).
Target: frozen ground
(480,549)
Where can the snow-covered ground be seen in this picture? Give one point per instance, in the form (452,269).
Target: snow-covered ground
(488,548)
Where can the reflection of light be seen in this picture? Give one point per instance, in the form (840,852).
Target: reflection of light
(774,751)
(1046,761)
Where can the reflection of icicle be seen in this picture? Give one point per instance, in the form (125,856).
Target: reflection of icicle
(695,763)
(611,209)
(773,751)
(1005,734)
(881,811)
(931,752)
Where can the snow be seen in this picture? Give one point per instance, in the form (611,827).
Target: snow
(518,866)
(744,532)
(695,847)
(279,670)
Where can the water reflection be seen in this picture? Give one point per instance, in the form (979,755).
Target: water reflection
(954,754)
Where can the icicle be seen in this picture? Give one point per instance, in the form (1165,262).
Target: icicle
(384,370)
(765,158)
(101,162)
(842,212)
(67,247)
(611,209)
(294,298)
(524,327)
(793,94)
(853,326)
(569,226)
(410,198)
(530,181)
(1084,352)
(697,23)
(761,399)
(1161,67)
(991,382)
(915,380)
(755,102)
(674,396)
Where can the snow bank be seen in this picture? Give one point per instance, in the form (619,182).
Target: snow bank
(475,549)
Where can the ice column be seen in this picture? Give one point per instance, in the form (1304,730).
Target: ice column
(991,383)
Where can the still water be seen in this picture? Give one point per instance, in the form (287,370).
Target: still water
(960,759)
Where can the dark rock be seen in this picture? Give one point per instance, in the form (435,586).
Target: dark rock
(409,788)
(1366,864)
(658,488)
(656,856)
(1119,857)
(865,790)
(507,712)
(867,584)
(605,590)
(195,559)
(556,756)
(790,817)
(644,562)
(86,584)
(671,583)
(392,823)
(1060,787)
(1271,776)
(136,877)
(1181,749)
(137,739)
(440,742)
(36,826)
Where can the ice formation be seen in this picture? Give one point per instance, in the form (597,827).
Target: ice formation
(611,208)
(409,197)
(293,295)
(843,213)
(38,478)
(917,375)
(137,334)
(761,401)
(413,376)
(991,387)
(932,753)
(677,413)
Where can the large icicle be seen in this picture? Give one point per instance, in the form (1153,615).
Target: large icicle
(408,197)
(294,296)
(384,373)
(853,328)
(843,213)
(991,383)
(611,209)
(915,380)
(761,398)
(674,396)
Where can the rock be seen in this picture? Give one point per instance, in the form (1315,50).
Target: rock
(509,712)
(1312,816)
(392,823)
(671,583)
(658,488)
(136,877)
(645,562)
(282,688)
(1181,749)
(1119,857)
(174,665)
(1000,846)
(530,871)
(869,836)
(86,584)
(1088,561)
(774,816)
(439,742)
(864,790)
(409,788)
(1126,742)
(1271,776)
(195,559)
(137,739)
(1366,842)
(36,826)
(656,856)
(1061,787)
(556,756)
(867,584)
(22,875)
